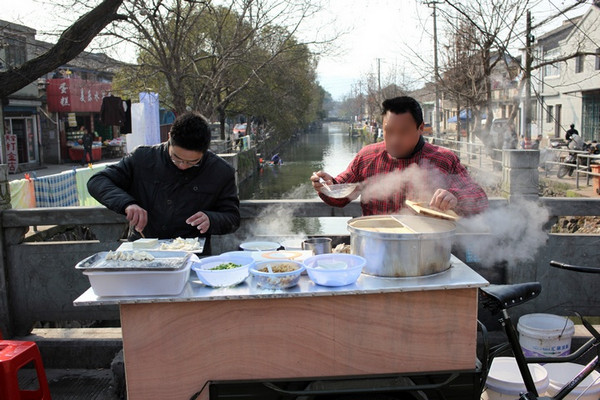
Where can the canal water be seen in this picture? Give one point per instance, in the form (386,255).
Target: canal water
(329,149)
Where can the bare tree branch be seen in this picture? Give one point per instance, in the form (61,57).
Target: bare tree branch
(71,43)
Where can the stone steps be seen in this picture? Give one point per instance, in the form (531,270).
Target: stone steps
(79,348)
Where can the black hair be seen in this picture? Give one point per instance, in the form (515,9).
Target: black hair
(572,125)
(401,105)
(191,131)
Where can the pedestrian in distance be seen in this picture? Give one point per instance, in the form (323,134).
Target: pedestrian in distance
(572,131)
(87,140)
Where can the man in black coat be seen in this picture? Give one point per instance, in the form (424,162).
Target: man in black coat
(175,189)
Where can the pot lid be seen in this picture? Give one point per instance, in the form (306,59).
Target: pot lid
(401,224)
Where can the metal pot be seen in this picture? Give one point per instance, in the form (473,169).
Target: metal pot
(402,245)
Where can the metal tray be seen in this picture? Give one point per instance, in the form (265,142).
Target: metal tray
(163,261)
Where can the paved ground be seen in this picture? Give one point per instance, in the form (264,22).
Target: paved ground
(73,384)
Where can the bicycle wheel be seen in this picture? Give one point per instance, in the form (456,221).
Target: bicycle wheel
(562,171)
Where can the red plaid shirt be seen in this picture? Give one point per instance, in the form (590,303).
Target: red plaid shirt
(390,181)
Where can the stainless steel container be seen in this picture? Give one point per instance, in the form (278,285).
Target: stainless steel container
(402,245)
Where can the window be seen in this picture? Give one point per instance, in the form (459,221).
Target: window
(598,59)
(550,114)
(15,51)
(579,63)
(552,69)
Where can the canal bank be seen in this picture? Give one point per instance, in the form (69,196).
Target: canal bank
(248,163)
(329,148)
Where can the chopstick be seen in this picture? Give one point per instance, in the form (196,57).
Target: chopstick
(322,182)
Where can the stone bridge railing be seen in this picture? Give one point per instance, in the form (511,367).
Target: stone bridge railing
(38,281)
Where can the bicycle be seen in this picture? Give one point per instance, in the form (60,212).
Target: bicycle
(499,298)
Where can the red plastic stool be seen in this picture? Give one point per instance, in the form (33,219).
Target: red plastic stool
(13,356)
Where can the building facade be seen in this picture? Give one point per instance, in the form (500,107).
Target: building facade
(569,90)
(20,142)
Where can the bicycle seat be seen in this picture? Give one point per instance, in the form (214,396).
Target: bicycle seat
(498,297)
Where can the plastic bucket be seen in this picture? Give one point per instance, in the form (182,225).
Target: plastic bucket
(545,335)
(561,373)
(504,381)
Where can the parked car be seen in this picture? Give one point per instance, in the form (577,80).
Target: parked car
(239,130)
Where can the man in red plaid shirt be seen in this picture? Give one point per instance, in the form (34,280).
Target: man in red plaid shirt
(404,166)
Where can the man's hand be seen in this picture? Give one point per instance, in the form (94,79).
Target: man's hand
(316,177)
(443,200)
(137,217)
(199,220)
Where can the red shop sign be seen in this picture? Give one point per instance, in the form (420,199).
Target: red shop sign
(76,95)
(12,155)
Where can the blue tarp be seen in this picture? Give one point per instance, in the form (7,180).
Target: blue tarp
(463,116)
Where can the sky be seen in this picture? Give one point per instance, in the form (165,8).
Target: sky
(394,34)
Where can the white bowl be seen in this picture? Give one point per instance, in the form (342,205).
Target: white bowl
(276,280)
(335,269)
(260,246)
(338,191)
(223,277)
(292,244)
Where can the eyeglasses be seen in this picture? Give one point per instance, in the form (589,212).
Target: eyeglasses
(183,163)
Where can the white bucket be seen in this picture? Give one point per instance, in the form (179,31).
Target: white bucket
(561,373)
(504,381)
(545,335)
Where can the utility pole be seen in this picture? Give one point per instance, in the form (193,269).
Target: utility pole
(527,76)
(437,111)
(436,72)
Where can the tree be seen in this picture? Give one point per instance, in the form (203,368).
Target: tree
(489,28)
(287,95)
(204,57)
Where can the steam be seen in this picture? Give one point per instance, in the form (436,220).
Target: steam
(418,181)
(277,222)
(513,233)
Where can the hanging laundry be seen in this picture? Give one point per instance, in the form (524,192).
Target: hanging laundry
(22,194)
(126,127)
(152,117)
(112,112)
(58,190)
(82,176)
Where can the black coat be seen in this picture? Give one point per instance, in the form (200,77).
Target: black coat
(87,140)
(147,177)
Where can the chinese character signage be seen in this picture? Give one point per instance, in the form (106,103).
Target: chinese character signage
(76,95)
(12,156)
